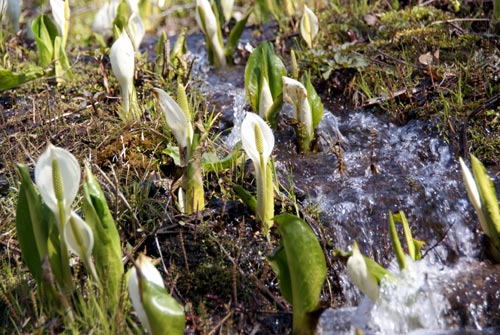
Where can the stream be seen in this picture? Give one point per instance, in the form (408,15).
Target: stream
(450,291)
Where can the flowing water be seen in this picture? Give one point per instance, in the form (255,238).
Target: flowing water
(450,288)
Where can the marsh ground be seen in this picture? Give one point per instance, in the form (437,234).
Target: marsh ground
(423,62)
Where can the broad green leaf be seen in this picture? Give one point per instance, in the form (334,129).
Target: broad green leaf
(314,101)
(263,63)
(165,315)
(31,228)
(45,33)
(306,264)
(279,263)
(235,34)
(12,80)
(107,250)
(396,244)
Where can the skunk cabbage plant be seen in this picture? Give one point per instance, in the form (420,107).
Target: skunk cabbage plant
(482,195)
(123,65)
(178,118)
(307,106)
(208,21)
(257,140)
(308,26)
(300,265)
(158,312)
(263,83)
(360,275)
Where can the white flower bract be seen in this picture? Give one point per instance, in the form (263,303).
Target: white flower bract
(70,175)
(122,63)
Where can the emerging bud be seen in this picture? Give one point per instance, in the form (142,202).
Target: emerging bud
(207,22)
(123,65)
(360,275)
(158,312)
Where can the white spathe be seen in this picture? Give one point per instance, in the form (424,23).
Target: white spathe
(149,273)
(122,56)
(295,94)
(251,125)
(309,26)
(227,8)
(360,276)
(207,22)
(69,175)
(103,21)
(265,98)
(176,119)
(136,30)
(60,12)
(79,237)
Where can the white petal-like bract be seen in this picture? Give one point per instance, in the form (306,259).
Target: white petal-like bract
(176,119)
(122,56)
(70,175)
(295,94)
(79,237)
(136,30)
(360,276)
(309,26)
(252,124)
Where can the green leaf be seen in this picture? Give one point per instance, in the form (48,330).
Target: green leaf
(279,264)
(165,315)
(107,250)
(45,33)
(306,265)
(31,228)
(263,63)
(235,34)
(245,196)
(314,100)
(212,162)
(11,79)
(489,202)
(396,244)
(377,270)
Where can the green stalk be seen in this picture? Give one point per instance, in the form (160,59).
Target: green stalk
(65,281)
(265,192)
(193,179)
(396,244)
